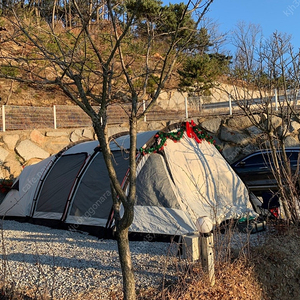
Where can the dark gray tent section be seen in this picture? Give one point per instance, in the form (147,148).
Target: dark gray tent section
(174,186)
(57,186)
(154,184)
(94,188)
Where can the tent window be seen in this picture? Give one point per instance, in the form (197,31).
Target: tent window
(58,184)
(93,197)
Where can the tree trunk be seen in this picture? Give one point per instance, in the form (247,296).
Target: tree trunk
(70,15)
(277,175)
(90,14)
(126,265)
(53,14)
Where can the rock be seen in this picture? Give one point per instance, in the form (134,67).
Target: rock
(27,150)
(233,136)
(291,141)
(37,137)
(171,100)
(266,144)
(33,161)
(117,129)
(56,133)
(212,125)
(155,126)
(283,130)
(254,131)
(231,153)
(88,133)
(249,149)
(274,121)
(11,140)
(12,166)
(294,126)
(78,132)
(242,122)
(57,144)
(142,126)
(3,154)
(74,137)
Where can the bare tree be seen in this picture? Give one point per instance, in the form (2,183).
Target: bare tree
(246,39)
(263,67)
(112,63)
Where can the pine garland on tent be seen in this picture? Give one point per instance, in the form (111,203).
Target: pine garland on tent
(192,130)
(5,185)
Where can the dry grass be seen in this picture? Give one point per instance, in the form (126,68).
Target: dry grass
(277,264)
(270,271)
(234,280)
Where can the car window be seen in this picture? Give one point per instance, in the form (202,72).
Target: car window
(256,159)
(265,158)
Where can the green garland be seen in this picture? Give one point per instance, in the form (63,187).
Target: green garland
(161,138)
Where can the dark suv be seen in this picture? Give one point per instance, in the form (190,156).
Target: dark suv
(256,169)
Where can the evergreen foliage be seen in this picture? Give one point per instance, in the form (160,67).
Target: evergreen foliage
(199,72)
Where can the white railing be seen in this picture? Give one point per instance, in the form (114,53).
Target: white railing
(67,116)
(229,106)
(64,116)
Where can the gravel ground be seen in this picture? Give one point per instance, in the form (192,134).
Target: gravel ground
(67,264)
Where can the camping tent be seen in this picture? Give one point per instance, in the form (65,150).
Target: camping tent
(181,176)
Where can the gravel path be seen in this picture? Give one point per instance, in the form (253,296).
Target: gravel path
(67,264)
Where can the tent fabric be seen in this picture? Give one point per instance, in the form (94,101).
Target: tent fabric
(161,220)
(123,142)
(183,181)
(211,188)
(18,203)
(154,186)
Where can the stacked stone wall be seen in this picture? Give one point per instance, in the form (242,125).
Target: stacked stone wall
(236,135)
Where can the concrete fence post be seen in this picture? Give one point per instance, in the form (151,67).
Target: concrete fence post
(276,100)
(144,108)
(54,116)
(186,108)
(230,105)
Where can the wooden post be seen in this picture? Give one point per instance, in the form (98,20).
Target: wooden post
(207,256)
(205,226)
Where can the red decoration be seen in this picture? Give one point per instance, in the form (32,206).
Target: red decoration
(191,130)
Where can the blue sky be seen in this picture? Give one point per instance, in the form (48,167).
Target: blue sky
(272,15)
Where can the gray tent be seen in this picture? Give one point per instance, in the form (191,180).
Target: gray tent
(180,177)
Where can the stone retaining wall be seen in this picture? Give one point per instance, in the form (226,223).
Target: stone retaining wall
(24,147)
(236,135)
